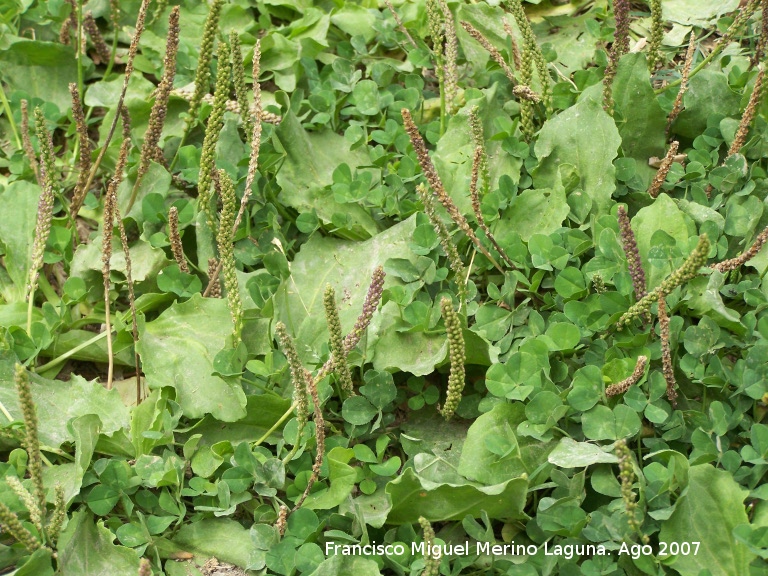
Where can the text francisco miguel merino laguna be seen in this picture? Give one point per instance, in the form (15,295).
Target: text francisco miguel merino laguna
(436,551)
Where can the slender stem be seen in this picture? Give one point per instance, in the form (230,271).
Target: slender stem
(69,353)
(79,47)
(9,115)
(108,332)
(276,425)
(693,72)
(30,306)
(5,412)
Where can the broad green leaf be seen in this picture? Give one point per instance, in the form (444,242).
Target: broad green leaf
(146,261)
(695,13)
(339,565)
(413,496)
(262,412)
(708,93)
(177,349)
(587,388)
(664,215)
(172,279)
(222,538)
(18,205)
(539,211)
(101,499)
(342,477)
(348,266)
(358,411)
(39,564)
(570,283)
(307,172)
(602,423)
(480,463)
(355,20)
(571,454)
(58,402)
(455,150)
(707,511)
(41,70)
(414,352)
(586,137)
(642,119)
(87,549)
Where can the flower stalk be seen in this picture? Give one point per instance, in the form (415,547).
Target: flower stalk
(31,439)
(677,106)
(668,368)
(437,186)
(624,385)
(657,35)
(733,263)
(149,148)
(688,270)
(458,356)
(661,174)
(336,342)
(84,162)
(299,378)
(29,151)
(44,213)
(175,239)
(431,563)
(629,244)
(212,130)
(227,251)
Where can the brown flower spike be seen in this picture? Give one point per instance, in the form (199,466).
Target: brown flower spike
(437,185)
(624,385)
(666,353)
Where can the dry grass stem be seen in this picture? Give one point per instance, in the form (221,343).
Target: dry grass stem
(625,384)
(661,174)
